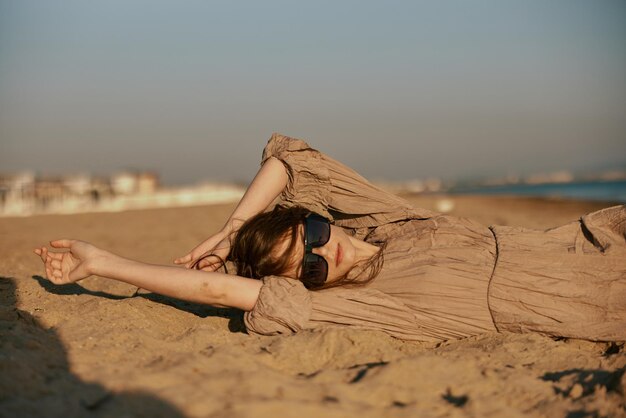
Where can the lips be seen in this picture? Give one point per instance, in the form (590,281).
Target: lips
(339,255)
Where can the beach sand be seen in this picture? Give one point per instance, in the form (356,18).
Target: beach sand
(99,349)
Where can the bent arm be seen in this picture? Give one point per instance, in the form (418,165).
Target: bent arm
(266,186)
(330,188)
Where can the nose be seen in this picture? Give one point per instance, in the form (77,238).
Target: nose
(324,251)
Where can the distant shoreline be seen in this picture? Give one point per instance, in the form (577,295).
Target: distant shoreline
(599,191)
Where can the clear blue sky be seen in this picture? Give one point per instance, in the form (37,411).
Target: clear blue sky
(396,89)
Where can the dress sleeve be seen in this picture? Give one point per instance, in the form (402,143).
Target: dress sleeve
(329,188)
(283,307)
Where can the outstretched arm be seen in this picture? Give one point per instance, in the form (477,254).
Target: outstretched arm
(266,186)
(84,259)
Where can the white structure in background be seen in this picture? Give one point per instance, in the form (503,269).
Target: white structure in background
(429,185)
(127,184)
(79,184)
(562,176)
(17,193)
(25,194)
(124,184)
(147,183)
(203,194)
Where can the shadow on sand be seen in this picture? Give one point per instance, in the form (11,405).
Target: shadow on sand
(36,381)
(234,316)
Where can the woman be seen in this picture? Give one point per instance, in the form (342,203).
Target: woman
(340,251)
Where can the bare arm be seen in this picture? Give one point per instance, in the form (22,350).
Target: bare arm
(266,186)
(210,288)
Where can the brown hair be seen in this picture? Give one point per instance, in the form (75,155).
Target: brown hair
(252,248)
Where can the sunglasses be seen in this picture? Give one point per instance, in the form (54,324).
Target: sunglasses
(315,267)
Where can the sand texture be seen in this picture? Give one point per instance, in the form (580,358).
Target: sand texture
(100,348)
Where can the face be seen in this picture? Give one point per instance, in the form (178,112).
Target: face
(339,252)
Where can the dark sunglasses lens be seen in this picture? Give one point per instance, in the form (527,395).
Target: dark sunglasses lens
(317,232)
(314,270)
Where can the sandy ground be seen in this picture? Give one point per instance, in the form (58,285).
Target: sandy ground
(94,349)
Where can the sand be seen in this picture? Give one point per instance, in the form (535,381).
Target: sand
(99,348)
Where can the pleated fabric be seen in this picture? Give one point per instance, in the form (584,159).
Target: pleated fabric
(569,281)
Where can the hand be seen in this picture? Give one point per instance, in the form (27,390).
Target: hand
(218,244)
(71,266)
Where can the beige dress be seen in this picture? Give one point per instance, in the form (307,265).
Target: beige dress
(445,277)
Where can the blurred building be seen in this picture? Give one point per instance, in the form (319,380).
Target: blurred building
(26,194)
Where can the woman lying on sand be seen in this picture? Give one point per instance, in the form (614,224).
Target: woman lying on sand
(339,251)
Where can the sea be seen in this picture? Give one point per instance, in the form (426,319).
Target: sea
(606,191)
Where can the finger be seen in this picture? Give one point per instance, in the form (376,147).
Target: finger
(224,247)
(41,255)
(201,263)
(62,243)
(193,262)
(42,252)
(46,264)
(49,265)
(49,273)
(209,264)
(56,256)
(183,259)
(56,264)
(205,262)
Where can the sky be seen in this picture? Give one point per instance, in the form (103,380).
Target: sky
(395,89)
